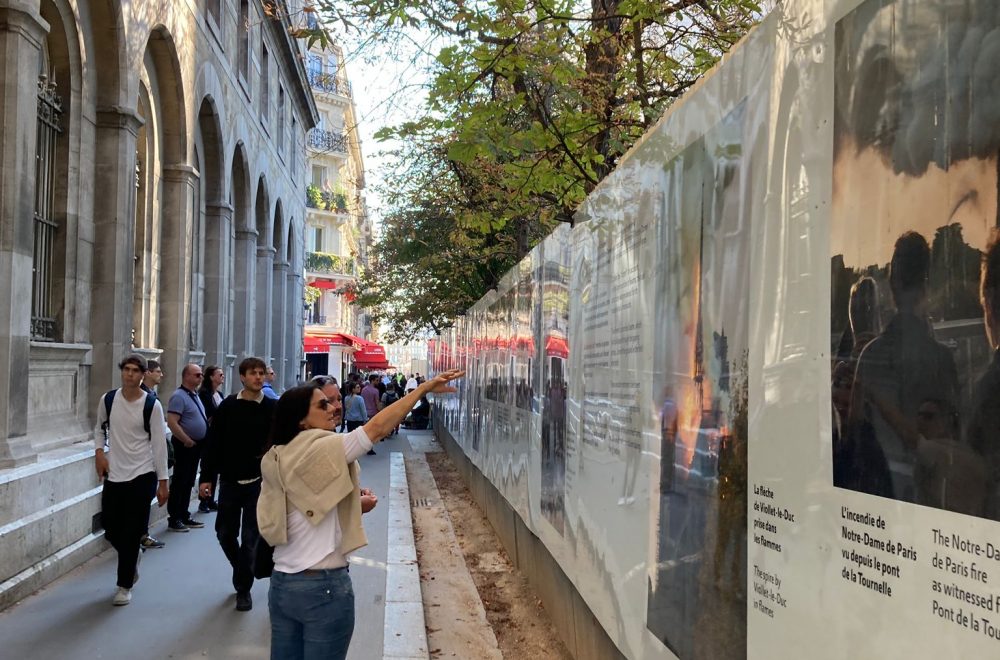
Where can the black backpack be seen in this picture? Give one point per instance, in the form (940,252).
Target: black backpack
(147,412)
(391,396)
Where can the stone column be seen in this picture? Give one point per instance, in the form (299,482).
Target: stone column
(176,246)
(22,32)
(262,326)
(218,229)
(293,340)
(244,300)
(280,318)
(114,249)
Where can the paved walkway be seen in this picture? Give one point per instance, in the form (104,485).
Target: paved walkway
(183,607)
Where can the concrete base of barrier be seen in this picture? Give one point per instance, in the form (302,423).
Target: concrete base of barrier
(577,626)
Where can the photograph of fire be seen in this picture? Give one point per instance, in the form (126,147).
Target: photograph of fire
(697,578)
(915,272)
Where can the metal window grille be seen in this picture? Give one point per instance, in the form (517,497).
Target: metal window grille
(43,322)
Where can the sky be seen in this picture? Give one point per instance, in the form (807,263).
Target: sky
(388,89)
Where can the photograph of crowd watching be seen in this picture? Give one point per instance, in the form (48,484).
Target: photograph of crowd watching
(915,269)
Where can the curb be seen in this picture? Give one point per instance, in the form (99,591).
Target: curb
(405,636)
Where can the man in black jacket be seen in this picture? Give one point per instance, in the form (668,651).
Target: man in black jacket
(236,443)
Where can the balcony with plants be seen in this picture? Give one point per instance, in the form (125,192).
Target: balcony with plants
(326,200)
(324,263)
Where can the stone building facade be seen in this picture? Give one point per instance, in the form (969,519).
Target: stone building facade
(338,229)
(150,200)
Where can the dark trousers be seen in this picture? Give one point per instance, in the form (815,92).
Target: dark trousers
(236,529)
(351,425)
(185,470)
(124,511)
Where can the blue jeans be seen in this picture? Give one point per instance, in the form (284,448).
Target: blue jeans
(312,615)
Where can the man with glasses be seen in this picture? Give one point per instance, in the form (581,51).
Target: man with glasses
(269,384)
(189,425)
(236,442)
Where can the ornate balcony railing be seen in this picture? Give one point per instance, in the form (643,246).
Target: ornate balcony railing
(329,83)
(322,262)
(327,141)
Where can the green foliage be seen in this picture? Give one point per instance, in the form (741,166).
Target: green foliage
(427,269)
(323,262)
(311,294)
(314,197)
(531,103)
(325,200)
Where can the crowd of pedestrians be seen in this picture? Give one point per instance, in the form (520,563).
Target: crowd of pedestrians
(284,470)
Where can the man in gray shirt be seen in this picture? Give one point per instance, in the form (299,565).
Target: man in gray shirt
(189,425)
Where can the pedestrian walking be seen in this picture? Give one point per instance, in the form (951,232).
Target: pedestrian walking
(390,397)
(237,438)
(355,412)
(310,511)
(210,394)
(189,425)
(134,468)
(150,381)
(371,395)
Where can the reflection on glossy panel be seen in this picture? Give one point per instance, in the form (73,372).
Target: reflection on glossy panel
(760,375)
(699,572)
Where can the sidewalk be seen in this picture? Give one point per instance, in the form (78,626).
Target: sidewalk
(183,607)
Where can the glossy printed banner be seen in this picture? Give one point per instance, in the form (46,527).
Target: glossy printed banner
(750,402)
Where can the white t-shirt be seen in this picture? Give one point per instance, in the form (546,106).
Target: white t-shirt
(411,384)
(318,546)
(132,451)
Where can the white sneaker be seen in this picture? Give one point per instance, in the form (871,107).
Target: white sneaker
(122,597)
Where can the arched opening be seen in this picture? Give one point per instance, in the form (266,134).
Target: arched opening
(265,263)
(212,241)
(278,319)
(197,265)
(294,303)
(47,174)
(49,126)
(147,176)
(165,187)
(243,263)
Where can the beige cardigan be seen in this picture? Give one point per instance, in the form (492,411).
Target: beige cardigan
(310,474)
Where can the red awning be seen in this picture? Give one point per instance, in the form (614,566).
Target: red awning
(321,343)
(358,341)
(323,284)
(556,346)
(368,355)
(371,356)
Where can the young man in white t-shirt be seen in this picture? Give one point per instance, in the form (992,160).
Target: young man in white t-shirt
(133,469)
